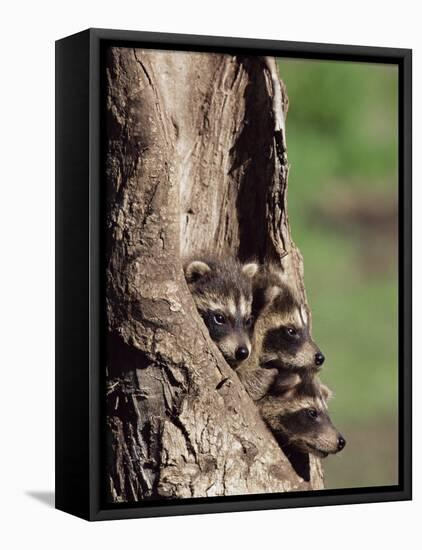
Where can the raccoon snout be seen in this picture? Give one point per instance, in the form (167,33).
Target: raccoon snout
(319,359)
(341,443)
(241,353)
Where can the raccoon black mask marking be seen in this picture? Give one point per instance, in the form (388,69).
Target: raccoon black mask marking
(222,291)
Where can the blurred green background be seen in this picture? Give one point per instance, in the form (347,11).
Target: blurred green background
(342,138)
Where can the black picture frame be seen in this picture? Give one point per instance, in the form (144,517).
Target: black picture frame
(79,429)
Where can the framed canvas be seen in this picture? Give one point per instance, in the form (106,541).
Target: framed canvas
(221,344)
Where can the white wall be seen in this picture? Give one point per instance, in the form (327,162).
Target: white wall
(26,292)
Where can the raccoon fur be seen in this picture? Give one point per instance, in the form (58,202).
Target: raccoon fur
(222,290)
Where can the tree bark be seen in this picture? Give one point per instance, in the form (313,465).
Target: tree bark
(195,160)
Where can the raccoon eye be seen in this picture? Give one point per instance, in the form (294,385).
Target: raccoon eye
(291,331)
(249,321)
(219,318)
(312,413)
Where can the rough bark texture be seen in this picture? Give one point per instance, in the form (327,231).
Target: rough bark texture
(195,159)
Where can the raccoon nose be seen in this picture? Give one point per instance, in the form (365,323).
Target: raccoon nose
(341,443)
(241,353)
(319,359)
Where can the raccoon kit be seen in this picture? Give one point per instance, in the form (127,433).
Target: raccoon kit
(282,344)
(283,334)
(299,419)
(222,291)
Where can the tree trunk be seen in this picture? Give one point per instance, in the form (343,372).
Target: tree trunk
(195,160)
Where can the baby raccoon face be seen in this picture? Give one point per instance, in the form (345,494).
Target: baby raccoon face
(300,419)
(288,344)
(222,291)
(231,330)
(310,430)
(286,338)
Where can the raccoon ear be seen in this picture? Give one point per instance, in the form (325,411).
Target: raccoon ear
(250,269)
(287,384)
(195,270)
(271,293)
(326,392)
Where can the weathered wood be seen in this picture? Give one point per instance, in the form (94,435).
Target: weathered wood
(195,160)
